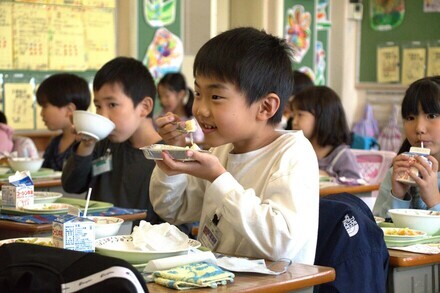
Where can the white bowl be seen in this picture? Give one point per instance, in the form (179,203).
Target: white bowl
(423,220)
(25,164)
(106,226)
(121,246)
(91,124)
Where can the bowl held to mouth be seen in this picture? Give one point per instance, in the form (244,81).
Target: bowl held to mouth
(91,124)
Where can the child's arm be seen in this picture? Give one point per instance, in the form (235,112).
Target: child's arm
(386,199)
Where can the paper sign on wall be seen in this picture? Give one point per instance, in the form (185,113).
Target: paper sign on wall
(388,59)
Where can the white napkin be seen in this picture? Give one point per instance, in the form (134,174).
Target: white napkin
(161,237)
(179,260)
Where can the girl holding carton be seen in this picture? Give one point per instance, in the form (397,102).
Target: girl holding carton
(59,96)
(319,113)
(256,193)
(421,123)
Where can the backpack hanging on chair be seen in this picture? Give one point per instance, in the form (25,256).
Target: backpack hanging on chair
(390,138)
(367,126)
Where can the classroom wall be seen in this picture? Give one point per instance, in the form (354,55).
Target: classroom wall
(206,18)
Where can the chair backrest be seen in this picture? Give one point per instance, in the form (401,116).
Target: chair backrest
(374,164)
(25,147)
(350,241)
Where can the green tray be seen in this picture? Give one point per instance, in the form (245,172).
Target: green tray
(94,206)
(39,173)
(425,240)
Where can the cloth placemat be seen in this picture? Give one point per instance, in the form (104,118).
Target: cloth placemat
(48,219)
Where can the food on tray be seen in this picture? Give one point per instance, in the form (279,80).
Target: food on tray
(402,232)
(39,241)
(190,125)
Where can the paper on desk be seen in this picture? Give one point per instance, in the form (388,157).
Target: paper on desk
(421,248)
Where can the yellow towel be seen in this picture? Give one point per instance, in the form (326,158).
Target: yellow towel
(194,275)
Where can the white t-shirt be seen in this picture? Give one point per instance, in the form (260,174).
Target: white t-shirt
(267,202)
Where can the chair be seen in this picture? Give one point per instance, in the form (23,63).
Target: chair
(374,164)
(350,241)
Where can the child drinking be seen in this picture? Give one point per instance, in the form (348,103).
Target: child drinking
(421,124)
(319,113)
(115,167)
(256,193)
(59,96)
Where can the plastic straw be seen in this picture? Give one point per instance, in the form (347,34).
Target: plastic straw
(87,202)
(421,144)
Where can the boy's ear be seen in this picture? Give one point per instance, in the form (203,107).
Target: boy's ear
(146,106)
(71,107)
(269,105)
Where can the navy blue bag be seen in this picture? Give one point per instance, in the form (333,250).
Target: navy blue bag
(350,241)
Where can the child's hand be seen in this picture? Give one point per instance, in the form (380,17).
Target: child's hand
(401,165)
(427,182)
(205,166)
(167,128)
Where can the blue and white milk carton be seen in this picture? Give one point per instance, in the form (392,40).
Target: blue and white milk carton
(74,233)
(19,192)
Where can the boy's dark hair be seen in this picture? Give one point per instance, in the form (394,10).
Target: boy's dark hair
(176,82)
(62,89)
(301,81)
(424,92)
(257,63)
(3,118)
(331,126)
(133,77)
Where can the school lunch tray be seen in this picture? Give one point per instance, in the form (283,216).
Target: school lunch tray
(399,243)
(94,206)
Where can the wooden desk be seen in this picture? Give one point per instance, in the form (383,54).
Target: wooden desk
(42,183)
(11,229)
(350,189)
(413,272)
(298,278)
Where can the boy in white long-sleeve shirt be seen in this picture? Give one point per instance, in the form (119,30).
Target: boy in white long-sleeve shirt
(257,193)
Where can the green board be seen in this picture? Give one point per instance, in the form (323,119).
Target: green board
(146,31)
(416,26)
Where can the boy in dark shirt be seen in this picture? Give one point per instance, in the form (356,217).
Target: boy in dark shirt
(115,167)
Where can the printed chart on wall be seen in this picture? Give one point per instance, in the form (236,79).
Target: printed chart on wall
(306,29)
(41,38)
(159,43)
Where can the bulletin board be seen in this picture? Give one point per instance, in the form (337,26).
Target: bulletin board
(43,37)
(416,26)
(159,36)
(307,28)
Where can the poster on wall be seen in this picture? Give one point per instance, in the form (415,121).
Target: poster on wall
(297,30)
(164,54)
(6,35)
(413,64)
(386,15)
(159,38)
(19,105)
(159,13)
(320,65)
(388,60)
(431,5)
(433,59)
